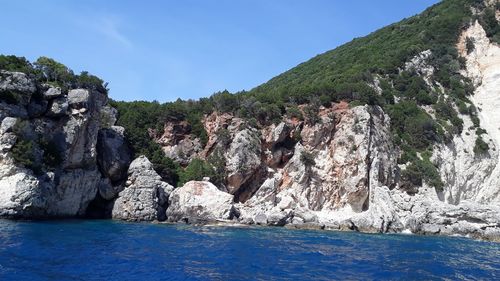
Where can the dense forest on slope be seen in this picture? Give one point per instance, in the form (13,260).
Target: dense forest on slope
(369,70)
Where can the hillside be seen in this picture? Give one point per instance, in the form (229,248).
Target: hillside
(369,70)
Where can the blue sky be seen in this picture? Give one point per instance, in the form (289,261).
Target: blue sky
(164,49)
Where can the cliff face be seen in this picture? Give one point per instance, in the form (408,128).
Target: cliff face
(351,182)
(49,154)
(343,173)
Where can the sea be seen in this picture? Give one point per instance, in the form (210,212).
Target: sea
(112,250)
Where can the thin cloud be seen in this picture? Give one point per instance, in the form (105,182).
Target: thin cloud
(109,26)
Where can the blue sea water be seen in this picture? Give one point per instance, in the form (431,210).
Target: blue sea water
(110,250)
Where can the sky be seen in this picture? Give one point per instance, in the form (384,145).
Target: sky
(165,49)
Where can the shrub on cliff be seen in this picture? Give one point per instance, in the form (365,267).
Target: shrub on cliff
(412,126)
(196,170)
(491,26)
(421,169)
(13,63)
(23,153)
(481,147)
(307,158)
(24,150)
(53,71)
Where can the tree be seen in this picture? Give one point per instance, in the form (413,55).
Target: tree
(225,101)
(470,45)
(13,63)
(89,81)
(54,71)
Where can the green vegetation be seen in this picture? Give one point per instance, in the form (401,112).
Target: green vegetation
(13,63)
(421,169)
(311,112)
(223,137)
(10,97)
(412,127)
(32,151)
(24,150)
(342,73)
(23,154)
(137,118)
(481,147)
(307,158)
(490,24)
(470,45)
(294,112)
(47,70)
(196,170)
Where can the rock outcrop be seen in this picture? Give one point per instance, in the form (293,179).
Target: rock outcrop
(350,151)
(197,202)
(145,196)
(54,171)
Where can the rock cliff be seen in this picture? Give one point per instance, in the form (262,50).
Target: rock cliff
(413,147)
(49,158)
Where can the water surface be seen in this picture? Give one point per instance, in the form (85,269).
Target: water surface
(109,250)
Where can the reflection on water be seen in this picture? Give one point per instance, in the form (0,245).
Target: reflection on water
(107,250)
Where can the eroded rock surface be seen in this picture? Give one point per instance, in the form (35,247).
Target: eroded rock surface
(60,174)
(145,196)
(113,153)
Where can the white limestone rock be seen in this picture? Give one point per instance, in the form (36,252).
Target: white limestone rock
(145,195)
(243,159)
(199,201)
(59,107)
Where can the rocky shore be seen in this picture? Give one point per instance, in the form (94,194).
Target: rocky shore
(350,184)
(62,155)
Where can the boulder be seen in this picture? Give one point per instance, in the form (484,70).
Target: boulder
(145,196)
(7,125)
(52,92)
(260,219)
(108,116)
(183,152)
(58,108)
(199,201)
(280,133)
(17,85)
(113,153)
(20,195)
(78,98)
